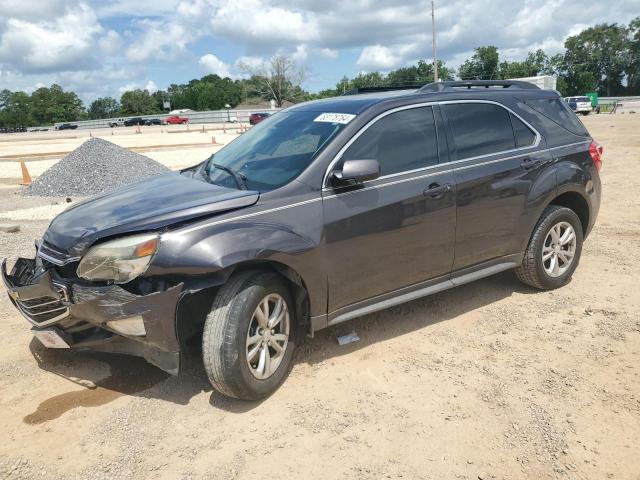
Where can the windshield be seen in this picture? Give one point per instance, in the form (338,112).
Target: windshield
(274,152)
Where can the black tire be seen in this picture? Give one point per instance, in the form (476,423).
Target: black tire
(532,271)
(224,339)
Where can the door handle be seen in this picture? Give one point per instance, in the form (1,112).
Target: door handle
(528,163)
(436,191)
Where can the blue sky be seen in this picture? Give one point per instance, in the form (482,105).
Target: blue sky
(100,48)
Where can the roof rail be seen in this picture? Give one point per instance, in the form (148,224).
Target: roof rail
(469,84)
(390,88)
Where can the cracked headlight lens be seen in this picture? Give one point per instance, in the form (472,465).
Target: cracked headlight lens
(120,260)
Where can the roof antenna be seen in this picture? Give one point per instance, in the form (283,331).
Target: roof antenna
(433,28)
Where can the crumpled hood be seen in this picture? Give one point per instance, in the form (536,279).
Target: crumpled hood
(150,204)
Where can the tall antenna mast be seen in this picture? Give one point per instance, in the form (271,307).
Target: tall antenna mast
(433,28)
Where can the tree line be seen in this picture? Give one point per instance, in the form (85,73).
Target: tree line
(604,58)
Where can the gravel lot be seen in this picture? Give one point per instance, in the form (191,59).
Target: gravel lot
(94,167)
(491,380)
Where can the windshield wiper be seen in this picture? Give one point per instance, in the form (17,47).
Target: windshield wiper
(240,178)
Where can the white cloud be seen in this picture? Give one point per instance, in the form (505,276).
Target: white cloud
(151,87)
(378,57)
(328,53)
(251,63)
(120,42)
(262,25)
(58,44)
(300,54)
(213,64)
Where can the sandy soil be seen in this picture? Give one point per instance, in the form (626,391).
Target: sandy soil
(489,380)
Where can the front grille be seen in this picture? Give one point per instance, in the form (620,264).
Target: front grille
(55,256)
(43,311)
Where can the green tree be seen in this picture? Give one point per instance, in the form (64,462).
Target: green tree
(15,109)
(138,102)
(104,107)
(483,65)
(633,68)
(278,79)
(50,105)
(597,59)
(533,65)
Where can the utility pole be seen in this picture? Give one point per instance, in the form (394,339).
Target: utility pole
(433,28)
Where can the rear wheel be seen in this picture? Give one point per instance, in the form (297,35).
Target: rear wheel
(554,250)
(249,336)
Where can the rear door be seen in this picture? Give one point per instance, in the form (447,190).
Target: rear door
(397,230)
(498,158)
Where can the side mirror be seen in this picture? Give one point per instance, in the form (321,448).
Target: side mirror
(356,171)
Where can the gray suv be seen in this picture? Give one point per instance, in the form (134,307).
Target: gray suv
(321,213)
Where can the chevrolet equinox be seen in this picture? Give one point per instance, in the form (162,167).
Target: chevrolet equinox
(323,212)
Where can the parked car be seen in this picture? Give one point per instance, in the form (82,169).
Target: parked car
(328,211)
(118,122)
(176,119)
(66,126)
(257,117)
(130,122)
(13,129)
(153,121)
(580,105)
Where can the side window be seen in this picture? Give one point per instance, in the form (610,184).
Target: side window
(401,141)
(480,129)
(524,136)
(559,112)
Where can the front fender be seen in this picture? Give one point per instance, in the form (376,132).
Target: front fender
(207,252)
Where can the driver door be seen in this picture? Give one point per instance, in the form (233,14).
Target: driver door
(398,230)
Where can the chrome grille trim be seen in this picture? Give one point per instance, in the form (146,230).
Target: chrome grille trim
(53,256)
(29,308)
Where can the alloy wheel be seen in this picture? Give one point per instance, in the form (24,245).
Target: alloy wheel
(559,249)
(268,336)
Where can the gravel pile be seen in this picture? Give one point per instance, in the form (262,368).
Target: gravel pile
(94,167)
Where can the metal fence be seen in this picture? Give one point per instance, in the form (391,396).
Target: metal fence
(210,116)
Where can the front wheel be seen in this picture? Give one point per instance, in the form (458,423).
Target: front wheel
(249,336)
(554,249)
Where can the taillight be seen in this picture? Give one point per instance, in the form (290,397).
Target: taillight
(595,150)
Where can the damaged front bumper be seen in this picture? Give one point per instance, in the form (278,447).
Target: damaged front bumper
(86,316)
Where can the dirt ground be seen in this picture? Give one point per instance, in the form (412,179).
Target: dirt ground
(491,380)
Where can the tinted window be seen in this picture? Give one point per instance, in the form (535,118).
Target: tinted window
(480,129)
(524,135)
(401,141)
(559,112)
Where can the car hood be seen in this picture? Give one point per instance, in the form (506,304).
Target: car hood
(150,204)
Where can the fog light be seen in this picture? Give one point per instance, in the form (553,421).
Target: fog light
(133,326)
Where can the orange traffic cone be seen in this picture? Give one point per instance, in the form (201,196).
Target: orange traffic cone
(26,178)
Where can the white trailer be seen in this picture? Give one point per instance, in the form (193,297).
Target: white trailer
(545,82)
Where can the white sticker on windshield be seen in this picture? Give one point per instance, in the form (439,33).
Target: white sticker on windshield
(335,117)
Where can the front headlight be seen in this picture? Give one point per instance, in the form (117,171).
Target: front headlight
(120,260)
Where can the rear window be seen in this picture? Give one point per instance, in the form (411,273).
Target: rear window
(558,112)
(480,129)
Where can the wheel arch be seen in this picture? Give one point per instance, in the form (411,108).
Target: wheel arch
(195,302)
(570,198)
(575,201)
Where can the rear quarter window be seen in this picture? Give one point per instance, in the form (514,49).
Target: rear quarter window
(559,113)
